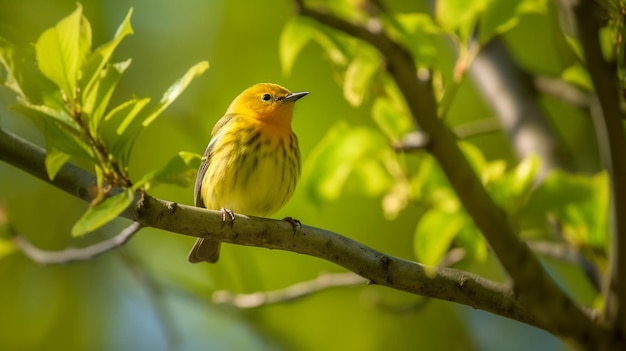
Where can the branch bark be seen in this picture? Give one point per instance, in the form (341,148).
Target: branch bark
(612,144)
(550,305)
(379,268)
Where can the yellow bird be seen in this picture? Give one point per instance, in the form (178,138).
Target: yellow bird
(252,163)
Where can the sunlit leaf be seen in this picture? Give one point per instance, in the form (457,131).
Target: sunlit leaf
(474,155)
(501,16)
(394,123)
(175,90)
(102,56)
(181,170)
(459,16)
(120,140)
(47,112)
(577,75)
(419,31)
(525,174)
(580,203)
(97,100)
(103,212)
(359,74)
(298,31)
(62,49)
(336,156)
(23,77)
(434,234)
(55,159)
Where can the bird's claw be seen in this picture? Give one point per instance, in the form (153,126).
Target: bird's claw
(230,214)
(295,224)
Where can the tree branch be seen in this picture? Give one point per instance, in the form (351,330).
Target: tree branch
(551,306)
(436,282)
(612,144)
(75,253)
(512,94)
(290,293)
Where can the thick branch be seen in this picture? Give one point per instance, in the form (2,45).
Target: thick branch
(512,94)
(612,144)
(436,282)
(554,309)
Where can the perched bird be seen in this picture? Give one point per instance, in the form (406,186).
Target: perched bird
(252,162)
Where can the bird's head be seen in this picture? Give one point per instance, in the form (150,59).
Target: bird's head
(267,103)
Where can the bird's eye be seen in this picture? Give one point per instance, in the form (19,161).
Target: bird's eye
(266,97)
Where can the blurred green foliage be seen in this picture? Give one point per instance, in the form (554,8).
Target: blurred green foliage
(146,296)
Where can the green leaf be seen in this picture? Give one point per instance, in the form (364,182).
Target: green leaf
(298,31)
(419,32)
(335,158)
(577,75)
(580,203)
(474,156)
(60,137)
(121,139)
(96,102)
(45,111)
(175,90)
(55,159)
(181,170)
(102,56)
(104,212)
(524,175)
(391,120)
(359,74)
(23,77)
(62,49)
(501,16)
(434,234)
(459,16)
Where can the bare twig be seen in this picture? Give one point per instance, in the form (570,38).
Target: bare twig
(71,254)
(563,91)
(290,293)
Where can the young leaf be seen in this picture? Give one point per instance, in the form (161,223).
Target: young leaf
(359,74)
(460,16)
(336,156)
(62,49)
(175,90)
(23,77)
(103,212)
(434,234)
(181,170)
(120,141)
(298,31)
(393,122)
(102,56)
(55,159)
(501,16)
(96,102)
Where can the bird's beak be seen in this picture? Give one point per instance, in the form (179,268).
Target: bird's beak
(296,96)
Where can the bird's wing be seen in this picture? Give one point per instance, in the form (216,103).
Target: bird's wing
(206,159)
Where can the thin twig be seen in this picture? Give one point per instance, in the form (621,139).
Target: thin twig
(71,254)
(290,293)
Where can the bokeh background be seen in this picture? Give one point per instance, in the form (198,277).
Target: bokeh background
(145,296)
